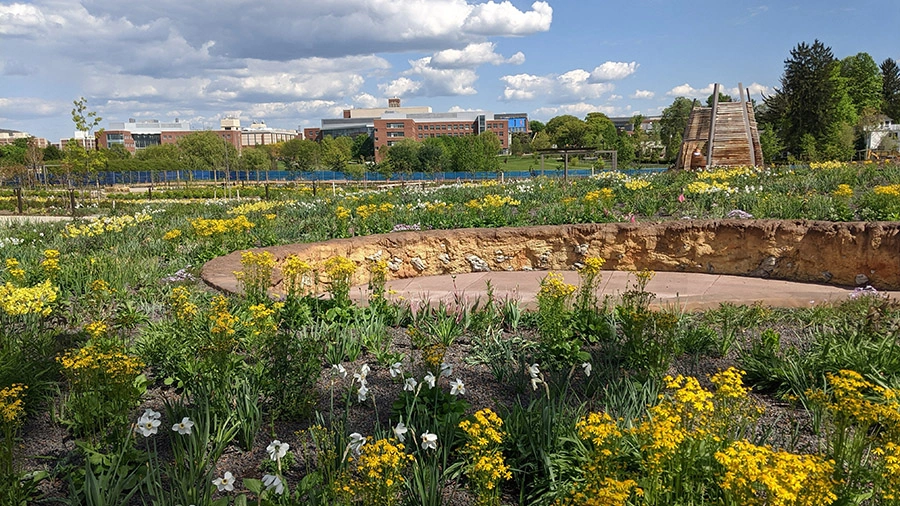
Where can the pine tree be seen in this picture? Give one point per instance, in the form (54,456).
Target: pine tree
(890,89)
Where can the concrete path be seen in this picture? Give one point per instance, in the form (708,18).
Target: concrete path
(15,218)
(672,289)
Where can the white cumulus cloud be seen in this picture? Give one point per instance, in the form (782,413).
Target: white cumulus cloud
(643,94)
(492,18)
(574,85)
(613,71)
(472,56)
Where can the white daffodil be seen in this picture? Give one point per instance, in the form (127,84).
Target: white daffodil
(535,382)
(400,431)
(533,370)
(362,392)
(429,441)
(357,441)
(410,384)
(225,483)
(277,450)
(446,369)
(396,369)
(147,426)
(587,368)
(184,427)
(457,387)
(361,375)
(273,482)
(338,370)
(430,379)
(153,415)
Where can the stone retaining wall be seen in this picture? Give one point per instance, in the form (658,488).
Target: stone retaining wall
(846,254)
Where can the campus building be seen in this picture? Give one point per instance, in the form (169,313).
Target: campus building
(9,137)
(387,126)
(138,135)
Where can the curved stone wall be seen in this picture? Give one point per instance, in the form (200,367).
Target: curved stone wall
(846,254)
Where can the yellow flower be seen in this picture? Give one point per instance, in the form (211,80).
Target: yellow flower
(12,407)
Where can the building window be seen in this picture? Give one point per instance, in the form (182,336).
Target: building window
(395,125)
(395,134)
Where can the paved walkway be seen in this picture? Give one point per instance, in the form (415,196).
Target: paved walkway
(672,289)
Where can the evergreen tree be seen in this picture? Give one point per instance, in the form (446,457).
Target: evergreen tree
(890,89)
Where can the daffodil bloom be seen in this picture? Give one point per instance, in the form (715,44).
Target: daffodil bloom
(457,387)
(357,441)
(410,384)
(533,370)
(338,370)
(184,428)
(153,415)
(430,379)
(587,368)
(361,375)
(400,431)
(277,450)
(396,369)
(446,369)
(362,392)
(272,481)
(429,441)
(147,426)
(535,381)
(225,483)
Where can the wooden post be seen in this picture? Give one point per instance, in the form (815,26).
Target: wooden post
(712,126)
(746,117)
(267,191)
(19,200)
(72,200)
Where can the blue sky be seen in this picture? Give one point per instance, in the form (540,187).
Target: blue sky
(293,62)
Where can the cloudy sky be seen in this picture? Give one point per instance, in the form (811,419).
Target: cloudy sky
(293,62)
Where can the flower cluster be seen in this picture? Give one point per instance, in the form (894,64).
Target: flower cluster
(492,201)
(891,190)
(366,211)
(93,365)
(171,235)
(843,190)
(759,475)
(701,187)
(637,184)
(100,226)
(256,273)
(15,270)
(831,164)
(296,274)
(211,227)
(34,300)
(603,195)
(180,304)
(12,407)
(50,264)
(485,466)
(254,207)
(380,470)
(553,286)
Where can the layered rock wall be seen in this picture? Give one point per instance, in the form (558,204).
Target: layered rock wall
(846,254)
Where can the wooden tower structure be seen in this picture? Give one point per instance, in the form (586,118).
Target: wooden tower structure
(724,135)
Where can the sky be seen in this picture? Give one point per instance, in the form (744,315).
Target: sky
(291,63)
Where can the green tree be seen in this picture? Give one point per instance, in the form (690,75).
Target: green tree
(672,124)
(487,149)
(336,152)
(541,141)
(117,152)
(771,146)
(536,126)
(207,151)
(567,130)
(300,155)
(863,81)
(520,143)
(601,132)
(722,98)
(432,155)
(78,158)
(363,148)
(403,157)
(255,159)
(890,89)
(807,102)
(51,152)
(625,146)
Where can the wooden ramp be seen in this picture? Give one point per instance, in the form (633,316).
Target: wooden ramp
(725,134)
